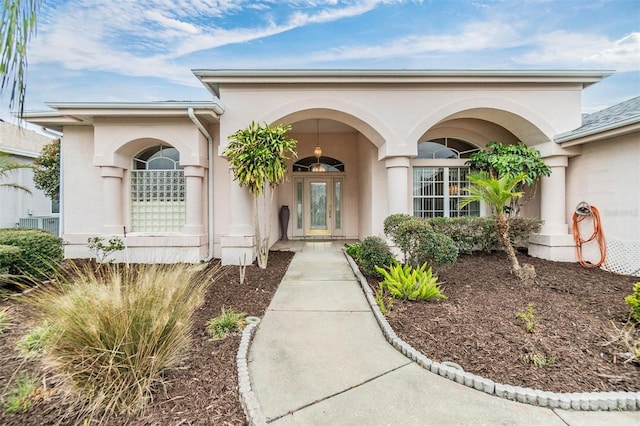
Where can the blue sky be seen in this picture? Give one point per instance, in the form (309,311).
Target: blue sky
(144,50)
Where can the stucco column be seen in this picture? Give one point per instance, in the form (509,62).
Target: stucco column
(237,247)
(193,176)
(554,240)
(398,184)
(112,196)
(552,197)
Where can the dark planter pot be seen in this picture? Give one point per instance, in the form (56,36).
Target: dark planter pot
(284,222)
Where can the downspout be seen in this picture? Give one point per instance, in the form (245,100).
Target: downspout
(210,217)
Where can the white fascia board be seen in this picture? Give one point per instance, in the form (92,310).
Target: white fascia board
(213,78)
(19,152)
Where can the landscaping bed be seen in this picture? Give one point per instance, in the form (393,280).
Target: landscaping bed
(575,315)
(201,390)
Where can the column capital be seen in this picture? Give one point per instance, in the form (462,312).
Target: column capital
(196,171)
(111,171)
(557,161)
(401,161)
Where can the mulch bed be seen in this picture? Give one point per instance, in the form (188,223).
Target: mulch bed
(576,310)
(202,390)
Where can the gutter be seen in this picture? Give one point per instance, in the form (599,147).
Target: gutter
(210,218)
(569,136)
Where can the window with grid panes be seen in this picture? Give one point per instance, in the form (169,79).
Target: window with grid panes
(158,191)
(437,192)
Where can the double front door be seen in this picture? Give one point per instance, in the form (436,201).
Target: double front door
(319,206)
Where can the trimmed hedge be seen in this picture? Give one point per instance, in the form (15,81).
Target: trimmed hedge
(479,233)
(41,252)
(374,251)
(8,256)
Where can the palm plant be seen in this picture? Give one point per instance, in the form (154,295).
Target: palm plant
(6,167)
(497,193)
(17,26)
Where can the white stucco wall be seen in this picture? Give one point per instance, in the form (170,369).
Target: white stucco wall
(607,176)
(16,204)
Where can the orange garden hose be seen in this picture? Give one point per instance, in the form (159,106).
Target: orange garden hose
(584,211)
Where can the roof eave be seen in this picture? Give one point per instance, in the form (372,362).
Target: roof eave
(621,128)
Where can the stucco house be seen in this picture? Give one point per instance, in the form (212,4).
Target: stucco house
(33,210)
(371,143)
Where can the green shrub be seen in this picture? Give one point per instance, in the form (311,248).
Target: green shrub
(633,300)
(37,340)
(374,251)
(528,317)
(353,250)
(8,256)
(405,282)
(418,242)
(479,233)
(392,222)
(102,250)
(20,395)
(225,323)
(41,252)
(115,332)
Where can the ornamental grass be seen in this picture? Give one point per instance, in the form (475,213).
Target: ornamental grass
(117,330)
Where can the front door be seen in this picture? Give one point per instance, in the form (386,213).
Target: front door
(318,206)
(319,199)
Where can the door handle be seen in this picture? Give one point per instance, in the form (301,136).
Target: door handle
(330,212)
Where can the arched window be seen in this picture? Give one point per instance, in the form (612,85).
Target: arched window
(437,191)
(315,164)
(445,148)
(157,191)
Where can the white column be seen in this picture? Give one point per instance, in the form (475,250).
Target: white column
(553,198)
(237,247)
(112,199)
(398,184)
(553,242)
(193,176)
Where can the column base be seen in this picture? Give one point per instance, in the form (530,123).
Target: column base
(237,250)
(556,247)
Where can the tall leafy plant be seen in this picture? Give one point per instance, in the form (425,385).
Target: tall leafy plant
(258,155)
(47,173)
(500,160)
(497,193)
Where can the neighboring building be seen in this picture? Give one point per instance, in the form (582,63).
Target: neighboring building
(16,206)
(391,141)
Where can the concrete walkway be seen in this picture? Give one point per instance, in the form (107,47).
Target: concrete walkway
(319,358)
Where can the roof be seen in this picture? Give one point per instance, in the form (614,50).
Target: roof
(21,141)
(213,78)
(76,113)
(624,116)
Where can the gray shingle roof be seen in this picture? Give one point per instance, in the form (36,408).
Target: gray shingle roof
(624,113)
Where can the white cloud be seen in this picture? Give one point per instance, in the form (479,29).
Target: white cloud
(563,48)
(144,37)
(473,37)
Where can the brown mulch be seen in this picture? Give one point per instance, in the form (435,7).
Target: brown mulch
(576,311)
(202,390)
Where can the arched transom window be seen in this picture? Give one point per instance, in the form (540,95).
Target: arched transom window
(318,164)
(445,148)
(157,191)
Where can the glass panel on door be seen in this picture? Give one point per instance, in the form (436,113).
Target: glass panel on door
(318,199)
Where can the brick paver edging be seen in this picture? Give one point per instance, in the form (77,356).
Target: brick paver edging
(587,401)
(248,400)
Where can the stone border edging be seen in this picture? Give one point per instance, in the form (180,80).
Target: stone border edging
(248,400)
(582,401)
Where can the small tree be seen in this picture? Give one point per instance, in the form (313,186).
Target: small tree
(6,167)
(47,172)
(258,157)
(511,160)
(497,193)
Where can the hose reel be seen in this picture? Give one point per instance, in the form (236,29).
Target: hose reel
(583,212)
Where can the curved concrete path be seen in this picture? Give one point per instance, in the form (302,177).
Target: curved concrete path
(319,358)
